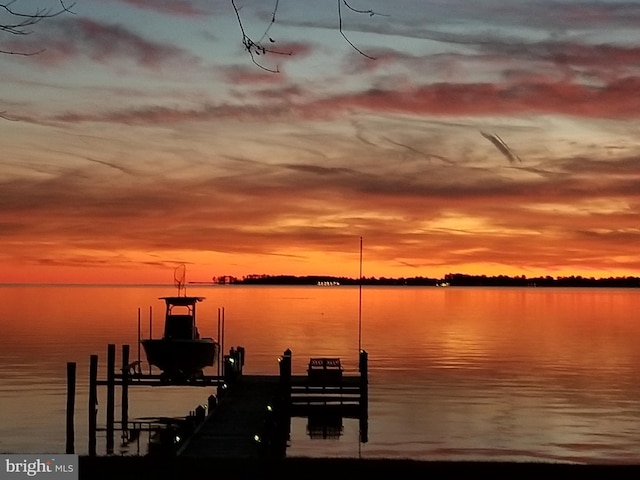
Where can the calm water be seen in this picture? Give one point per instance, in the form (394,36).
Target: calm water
(521,374)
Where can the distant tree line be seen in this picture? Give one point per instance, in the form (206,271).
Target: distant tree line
(451,279)
(545,281)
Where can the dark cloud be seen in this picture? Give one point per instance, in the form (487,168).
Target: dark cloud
(74,39)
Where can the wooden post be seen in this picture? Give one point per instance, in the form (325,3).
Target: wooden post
(124,409)
(285,378)
(93,403)
(71,405)
(364,376)
(150,328)
(139,335)
(219,346)
(212,403)
(283,408)
(364,396)
(363,421)
(224,373)
(240,351)
(111,367)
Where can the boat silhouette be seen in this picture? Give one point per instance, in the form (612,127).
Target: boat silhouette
(181,353)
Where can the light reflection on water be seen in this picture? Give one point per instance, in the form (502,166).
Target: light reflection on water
(455,373)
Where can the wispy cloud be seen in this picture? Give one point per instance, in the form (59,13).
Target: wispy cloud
(185,8)
(615,100)
(73,39)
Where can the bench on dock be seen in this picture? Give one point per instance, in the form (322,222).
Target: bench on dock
(324,371)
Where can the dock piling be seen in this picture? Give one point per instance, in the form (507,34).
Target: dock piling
(364,396)
(111,367)
(124,409)
(285,378)
(221,339)
(212,403)
(139,335)
(219,352)
(150,328)
(93,403)
(71,404)
(363,368)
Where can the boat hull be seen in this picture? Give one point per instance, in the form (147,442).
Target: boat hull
(177,357)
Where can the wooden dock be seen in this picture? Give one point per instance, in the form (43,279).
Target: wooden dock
(241,425)
(253,418)
(250,416)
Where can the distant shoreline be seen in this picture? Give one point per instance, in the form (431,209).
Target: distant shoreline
(450,280)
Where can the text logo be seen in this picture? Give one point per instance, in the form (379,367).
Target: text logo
(49,467)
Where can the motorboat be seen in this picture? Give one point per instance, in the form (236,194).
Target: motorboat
(181,352)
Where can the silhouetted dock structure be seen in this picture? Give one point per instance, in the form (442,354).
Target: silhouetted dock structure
(253,417)
(242,424)
(247,416)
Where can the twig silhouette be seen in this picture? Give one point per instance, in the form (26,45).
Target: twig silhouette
(22,22)
(257,48)
(371,13)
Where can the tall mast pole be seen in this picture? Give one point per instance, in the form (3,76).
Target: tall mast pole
(360,303)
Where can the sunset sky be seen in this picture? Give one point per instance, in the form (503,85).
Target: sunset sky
(143,136)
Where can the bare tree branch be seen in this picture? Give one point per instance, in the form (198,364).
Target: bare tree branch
(340,2)
(19,22)
(370,12)
(258,48)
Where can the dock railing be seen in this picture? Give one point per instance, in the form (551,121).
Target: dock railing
(325,371)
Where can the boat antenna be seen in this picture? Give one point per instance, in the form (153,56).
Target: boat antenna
(179,278)
(360,303)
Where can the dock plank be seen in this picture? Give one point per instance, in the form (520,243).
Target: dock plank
(229,429)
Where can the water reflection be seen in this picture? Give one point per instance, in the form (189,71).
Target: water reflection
(455,373)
